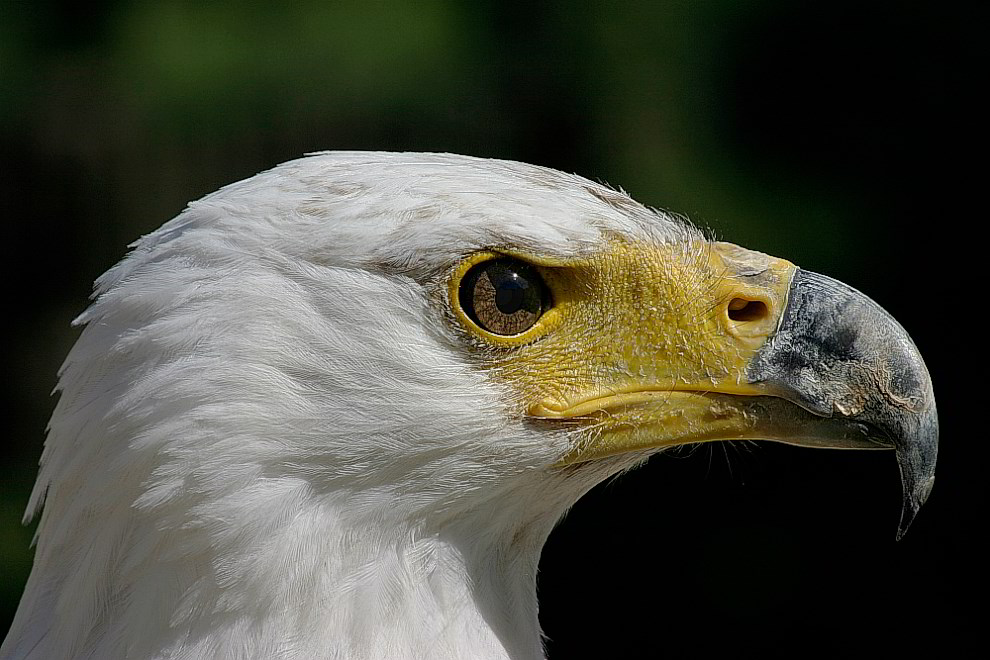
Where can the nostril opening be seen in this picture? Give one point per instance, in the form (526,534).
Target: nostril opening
(747,310)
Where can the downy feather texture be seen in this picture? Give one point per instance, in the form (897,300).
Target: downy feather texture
(271,441)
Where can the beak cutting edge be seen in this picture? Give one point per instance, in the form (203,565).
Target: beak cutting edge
(839,355)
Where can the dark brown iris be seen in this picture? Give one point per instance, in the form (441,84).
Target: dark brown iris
(503,296)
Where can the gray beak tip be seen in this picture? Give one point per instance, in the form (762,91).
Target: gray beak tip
(917,453)
(914,497)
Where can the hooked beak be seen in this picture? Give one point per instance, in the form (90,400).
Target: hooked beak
(837,354)
(777,353)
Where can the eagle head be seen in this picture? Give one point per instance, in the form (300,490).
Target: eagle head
(334,410)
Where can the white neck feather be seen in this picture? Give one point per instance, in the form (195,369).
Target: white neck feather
(314,582)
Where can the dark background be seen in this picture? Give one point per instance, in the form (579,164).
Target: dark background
(840,135)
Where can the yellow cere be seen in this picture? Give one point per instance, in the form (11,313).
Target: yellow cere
(641,341)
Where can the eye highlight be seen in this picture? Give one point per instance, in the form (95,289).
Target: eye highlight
(505,297)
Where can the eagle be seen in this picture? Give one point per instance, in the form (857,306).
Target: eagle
(335,410)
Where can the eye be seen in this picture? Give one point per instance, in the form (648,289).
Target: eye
(503,296)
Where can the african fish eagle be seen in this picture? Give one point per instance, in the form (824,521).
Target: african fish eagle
(335,410)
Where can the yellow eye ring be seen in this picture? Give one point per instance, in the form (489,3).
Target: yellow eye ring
(502,299)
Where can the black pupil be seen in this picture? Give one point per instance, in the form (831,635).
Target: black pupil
(510,291)
(516,288)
